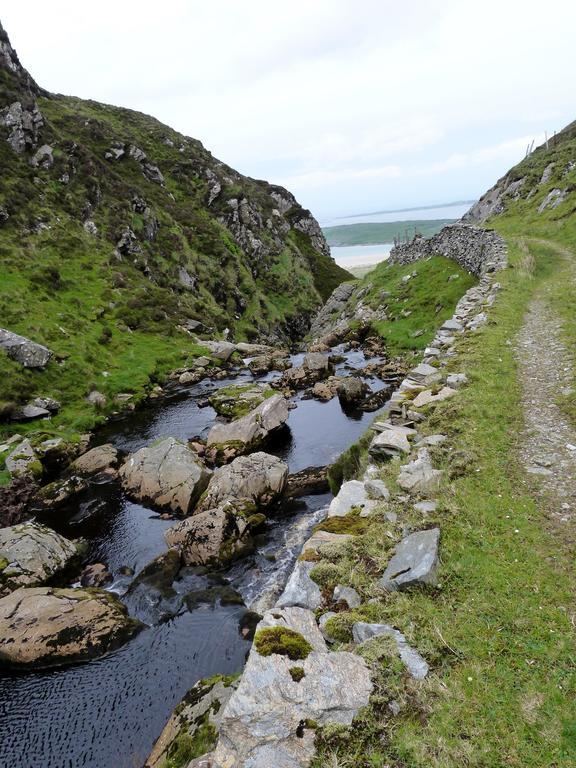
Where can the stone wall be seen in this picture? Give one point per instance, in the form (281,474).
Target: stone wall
(476,249)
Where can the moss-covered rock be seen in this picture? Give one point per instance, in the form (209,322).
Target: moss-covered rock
(283,641)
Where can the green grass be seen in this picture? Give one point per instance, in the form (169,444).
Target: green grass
(499,631)
(415,309)
(382,232)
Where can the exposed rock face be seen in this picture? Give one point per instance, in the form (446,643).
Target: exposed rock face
(26,352)
(414,562)
(315,367)
(477,250)
(260,724)
(413,661)
(258,478)
(324,320)
(45,627)
(96,460)
(30,554)
(215,536)
(165,474)
(251,430)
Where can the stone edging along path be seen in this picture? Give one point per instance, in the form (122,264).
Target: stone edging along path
(270,719)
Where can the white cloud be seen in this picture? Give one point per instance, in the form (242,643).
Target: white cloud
(354,103)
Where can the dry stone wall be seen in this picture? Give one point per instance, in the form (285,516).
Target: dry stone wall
(476,249)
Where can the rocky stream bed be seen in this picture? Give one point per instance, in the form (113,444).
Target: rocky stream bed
(107,713)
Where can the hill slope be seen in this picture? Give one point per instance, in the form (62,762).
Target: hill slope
(116,230)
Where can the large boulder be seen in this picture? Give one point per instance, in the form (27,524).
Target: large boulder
(265,721)
(216,536)
(315,367)
(27,353)
(45,627)
(166,474)
(259,478)
(352,495)
(219,350)
(251,430)
(351,390)
(31,554)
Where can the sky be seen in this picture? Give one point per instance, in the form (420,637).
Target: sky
(354,105)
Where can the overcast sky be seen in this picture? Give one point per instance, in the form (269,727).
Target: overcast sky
(354,105)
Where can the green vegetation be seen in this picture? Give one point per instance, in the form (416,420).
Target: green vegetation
(238,400)
(382,232)
(186,747)
(415,306)
(113,313)
(283,641)
(297,674)
(498,634)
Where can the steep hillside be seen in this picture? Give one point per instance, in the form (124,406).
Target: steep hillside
(116,232)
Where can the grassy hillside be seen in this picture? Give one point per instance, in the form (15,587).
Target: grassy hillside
(123,231)
(382,232)
(499,633)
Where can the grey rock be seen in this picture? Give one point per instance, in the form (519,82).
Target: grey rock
(221,350)
(96,399)
(43,157)
(259,724)
(425,507)
(46,402)
(166,474)
(347,595)
(316,361)
(412,660)
(351,390)
(300,590)
(322,622)
(388,443)
(259,478)
(414,562)
(34,553)
(351,494)
(21,459)
(250,430)
(26,352)
(29,413)
(376,489)
(419,477)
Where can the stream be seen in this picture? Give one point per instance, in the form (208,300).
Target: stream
(107,713)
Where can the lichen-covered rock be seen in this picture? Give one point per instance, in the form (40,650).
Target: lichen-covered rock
(46,627)
(166,474)
(263,724)
(415,561)
(22,461)
(216,536)
(259,478)
(28,353)
(352,494)
(31,554)
(412,660)
(237,401)
(251,430)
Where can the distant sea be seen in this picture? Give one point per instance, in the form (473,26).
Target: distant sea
(359,255)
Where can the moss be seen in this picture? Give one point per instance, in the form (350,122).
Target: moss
(186,747)
(297,673)
(283,641)
(309,556)
(325,574)
(339,627)
(351,523)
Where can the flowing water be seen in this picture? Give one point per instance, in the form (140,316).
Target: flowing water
(107,713)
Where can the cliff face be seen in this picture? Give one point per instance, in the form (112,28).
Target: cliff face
(161,232)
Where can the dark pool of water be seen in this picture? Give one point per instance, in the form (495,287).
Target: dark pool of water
(108,713)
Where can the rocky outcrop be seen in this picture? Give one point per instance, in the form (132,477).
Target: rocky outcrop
(259,478)
(46,627)
(250,431)
(166,474)
(28,353)
(476,249)
(265,722)
(30,554)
